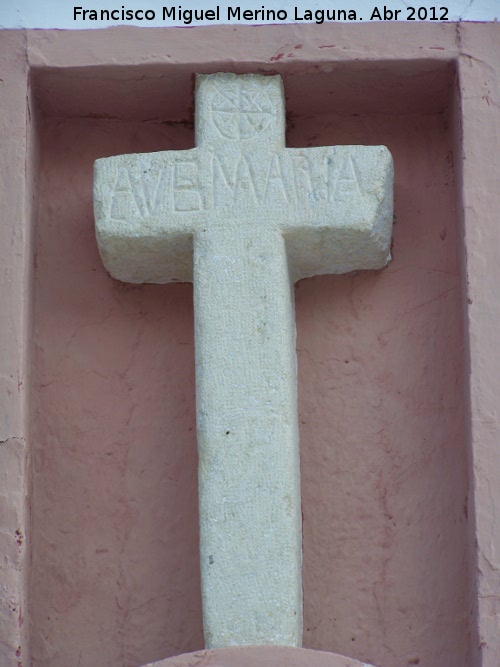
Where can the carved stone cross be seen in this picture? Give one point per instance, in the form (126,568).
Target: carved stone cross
(243,217)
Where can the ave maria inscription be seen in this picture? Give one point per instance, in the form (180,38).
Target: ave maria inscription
(182,184)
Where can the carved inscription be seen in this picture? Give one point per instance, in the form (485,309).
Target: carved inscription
(246,180)
(275,179)
(123,201)
(186,186)
(138,192)
(347,182)
(280,179)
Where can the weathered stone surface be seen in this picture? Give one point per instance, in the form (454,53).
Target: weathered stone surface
(255,217)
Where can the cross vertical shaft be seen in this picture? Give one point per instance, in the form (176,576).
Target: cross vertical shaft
(248,441)
(249,483)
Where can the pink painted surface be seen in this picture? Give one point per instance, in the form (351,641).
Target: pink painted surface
(259,656)
(387,443)
(17,168)
(479,204)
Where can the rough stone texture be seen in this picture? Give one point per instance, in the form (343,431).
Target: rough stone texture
(259,216)
(389,532)
(259,656)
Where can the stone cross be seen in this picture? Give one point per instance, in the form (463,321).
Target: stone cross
(243,218)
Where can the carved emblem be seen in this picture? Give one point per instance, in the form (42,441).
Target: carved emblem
(241,109)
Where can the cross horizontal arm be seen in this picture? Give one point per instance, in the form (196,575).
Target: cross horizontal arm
(146,208)
(333,205)
(342,208)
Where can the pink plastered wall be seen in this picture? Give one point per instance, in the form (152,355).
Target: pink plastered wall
(398,491)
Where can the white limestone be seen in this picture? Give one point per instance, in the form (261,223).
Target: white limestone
(243,217)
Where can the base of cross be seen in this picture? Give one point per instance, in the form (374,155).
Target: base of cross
(259,656)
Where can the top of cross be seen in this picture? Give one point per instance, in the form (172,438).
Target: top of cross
(332,204)
(240,108)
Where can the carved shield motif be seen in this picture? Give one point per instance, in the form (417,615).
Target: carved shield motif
(241,109)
